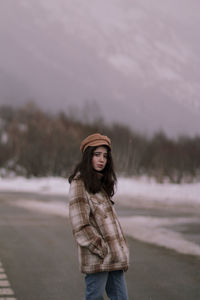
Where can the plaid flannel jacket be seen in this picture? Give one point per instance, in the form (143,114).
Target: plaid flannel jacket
(97,231)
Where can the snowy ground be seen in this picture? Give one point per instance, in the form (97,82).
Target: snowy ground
(133,192)
(143,188)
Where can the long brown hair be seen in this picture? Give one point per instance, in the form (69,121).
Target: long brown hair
(92,181)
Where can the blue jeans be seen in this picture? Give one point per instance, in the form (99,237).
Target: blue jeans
(112,282)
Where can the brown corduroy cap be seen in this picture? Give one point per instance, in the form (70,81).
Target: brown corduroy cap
(95,139)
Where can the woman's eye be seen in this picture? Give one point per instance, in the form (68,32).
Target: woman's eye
(98,154)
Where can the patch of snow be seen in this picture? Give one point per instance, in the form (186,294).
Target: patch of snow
(4,138)
(130,188)
(151,230)
(47,185)
(166,193)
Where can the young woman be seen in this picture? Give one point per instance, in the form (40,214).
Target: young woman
(102,248)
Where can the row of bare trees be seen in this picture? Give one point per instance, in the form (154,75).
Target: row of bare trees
(34,143)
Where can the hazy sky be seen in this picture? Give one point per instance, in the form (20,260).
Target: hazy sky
(135,62)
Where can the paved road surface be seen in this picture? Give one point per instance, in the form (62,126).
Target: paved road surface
(38,256)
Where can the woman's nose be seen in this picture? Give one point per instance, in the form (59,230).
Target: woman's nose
(101,158)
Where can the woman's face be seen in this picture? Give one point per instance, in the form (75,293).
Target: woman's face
(99,158)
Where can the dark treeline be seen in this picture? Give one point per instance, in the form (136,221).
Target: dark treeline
(34,143)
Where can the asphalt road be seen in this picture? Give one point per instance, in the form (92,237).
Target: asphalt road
(38,255)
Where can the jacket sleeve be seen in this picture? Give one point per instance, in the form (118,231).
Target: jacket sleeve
(79,211)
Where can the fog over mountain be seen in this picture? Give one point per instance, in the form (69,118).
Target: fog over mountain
(138,61)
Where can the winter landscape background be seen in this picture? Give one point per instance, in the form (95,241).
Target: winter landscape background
(129,69)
